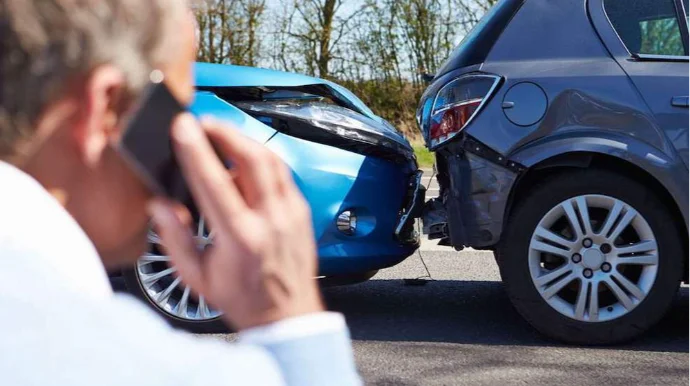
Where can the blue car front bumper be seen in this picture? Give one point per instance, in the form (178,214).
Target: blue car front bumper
(378,191)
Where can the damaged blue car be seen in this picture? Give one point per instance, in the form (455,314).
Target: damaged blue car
(357,172)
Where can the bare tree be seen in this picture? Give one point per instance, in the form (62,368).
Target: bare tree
(316,29)
(253,11)
(229,29)
(376,44)
(429,34)
(471,11)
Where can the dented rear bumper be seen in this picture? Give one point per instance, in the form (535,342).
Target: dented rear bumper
(475,191)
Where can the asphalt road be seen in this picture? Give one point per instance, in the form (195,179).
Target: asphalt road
(460,329)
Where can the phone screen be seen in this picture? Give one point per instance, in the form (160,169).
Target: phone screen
(146,143)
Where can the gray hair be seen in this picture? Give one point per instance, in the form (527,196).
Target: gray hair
(45,44)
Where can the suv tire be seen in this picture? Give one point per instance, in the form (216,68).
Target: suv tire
(516,254)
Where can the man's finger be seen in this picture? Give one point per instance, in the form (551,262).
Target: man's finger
(177,242)
(286,182)
(254,164)
(206,176)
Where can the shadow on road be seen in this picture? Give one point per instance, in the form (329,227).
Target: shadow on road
(470,312)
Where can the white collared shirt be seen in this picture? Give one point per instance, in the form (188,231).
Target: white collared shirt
(61,324)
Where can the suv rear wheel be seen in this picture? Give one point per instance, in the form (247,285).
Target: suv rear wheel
(591,257)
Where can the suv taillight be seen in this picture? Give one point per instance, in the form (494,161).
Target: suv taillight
(457,103)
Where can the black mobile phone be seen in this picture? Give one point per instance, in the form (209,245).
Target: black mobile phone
(146,145)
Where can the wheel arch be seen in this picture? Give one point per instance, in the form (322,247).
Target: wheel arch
(558,163)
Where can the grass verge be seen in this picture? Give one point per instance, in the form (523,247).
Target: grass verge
(425,158)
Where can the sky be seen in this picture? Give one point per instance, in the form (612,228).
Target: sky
(347,7)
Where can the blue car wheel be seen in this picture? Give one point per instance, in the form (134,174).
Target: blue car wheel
(154,281)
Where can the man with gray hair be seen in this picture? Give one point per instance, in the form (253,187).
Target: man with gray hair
(70,206)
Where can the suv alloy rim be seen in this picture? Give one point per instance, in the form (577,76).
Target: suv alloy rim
(593,258)
(165,289)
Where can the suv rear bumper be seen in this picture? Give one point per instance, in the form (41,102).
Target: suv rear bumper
(475,190)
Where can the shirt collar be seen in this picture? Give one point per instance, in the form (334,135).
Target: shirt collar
(39,237)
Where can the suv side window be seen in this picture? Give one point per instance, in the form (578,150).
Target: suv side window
(648,27)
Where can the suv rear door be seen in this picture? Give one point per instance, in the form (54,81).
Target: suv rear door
(649,40)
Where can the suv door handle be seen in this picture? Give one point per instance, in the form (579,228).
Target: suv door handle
(680,101)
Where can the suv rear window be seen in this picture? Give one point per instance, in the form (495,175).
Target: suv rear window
(648,27)
(476,45)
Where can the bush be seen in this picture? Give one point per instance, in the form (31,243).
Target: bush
(394,101)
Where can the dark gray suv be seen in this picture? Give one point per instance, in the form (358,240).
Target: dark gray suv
(561,137)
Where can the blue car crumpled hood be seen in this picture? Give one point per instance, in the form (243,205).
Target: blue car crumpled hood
(208,104)
(214,76)
(222,75)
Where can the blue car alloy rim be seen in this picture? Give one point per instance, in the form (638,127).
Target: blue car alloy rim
(164,288)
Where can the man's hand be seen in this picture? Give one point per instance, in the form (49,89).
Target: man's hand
(262,265)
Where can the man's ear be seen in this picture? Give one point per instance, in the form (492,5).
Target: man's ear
(100,112)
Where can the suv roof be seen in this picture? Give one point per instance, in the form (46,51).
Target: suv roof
(475,46)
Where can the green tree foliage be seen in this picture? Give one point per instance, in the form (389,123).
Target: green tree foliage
(661,37)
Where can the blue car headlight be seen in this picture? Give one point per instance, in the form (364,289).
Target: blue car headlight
(329,124)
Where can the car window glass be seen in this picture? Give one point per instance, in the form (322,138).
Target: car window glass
(647,26)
